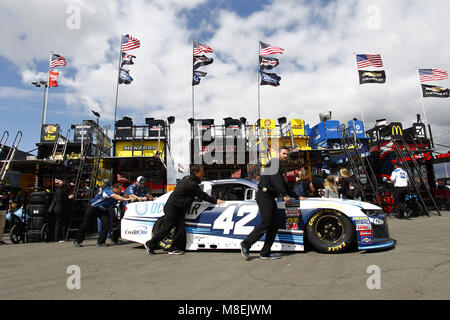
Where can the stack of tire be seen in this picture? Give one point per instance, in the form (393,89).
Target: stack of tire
(38,204)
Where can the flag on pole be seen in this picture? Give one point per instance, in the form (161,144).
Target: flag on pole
(271,79)
(130,43)
(57,60)
(432,74)
(127,58)
(434,91)
(371,76)
(196,77)
(52,76)
(199,48)
(266,49)
(124,76)
(202,61)
(267,63)
(366,60)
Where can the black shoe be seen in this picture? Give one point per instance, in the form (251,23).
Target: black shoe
(244,252)
(176,251)
(77,244)
(102,245)
(270,257)
(149,250)
(2,243)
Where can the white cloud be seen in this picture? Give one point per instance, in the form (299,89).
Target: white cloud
(318,68)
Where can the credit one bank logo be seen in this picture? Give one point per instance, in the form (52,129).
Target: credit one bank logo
(137,231)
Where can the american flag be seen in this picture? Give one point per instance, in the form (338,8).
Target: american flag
(57,60)
(267,63)
(366,60)
(432,74)
(266,49)
(130,43)
(199,48)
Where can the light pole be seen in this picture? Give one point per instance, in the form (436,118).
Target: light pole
(37,85)
(97,115)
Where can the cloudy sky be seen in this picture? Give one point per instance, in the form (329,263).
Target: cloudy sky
(318,70)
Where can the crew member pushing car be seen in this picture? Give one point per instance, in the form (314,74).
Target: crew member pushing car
(137,190)
(177,205)
(271,185)
(99,207)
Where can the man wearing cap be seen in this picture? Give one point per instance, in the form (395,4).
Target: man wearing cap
(99,207)
(137,191)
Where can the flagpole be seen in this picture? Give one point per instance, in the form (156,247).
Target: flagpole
(361,107)
(259,80)
(117,85)
(46,90)
(192,84)
(421,96)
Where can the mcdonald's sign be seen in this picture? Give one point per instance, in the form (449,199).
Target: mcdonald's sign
(396,129)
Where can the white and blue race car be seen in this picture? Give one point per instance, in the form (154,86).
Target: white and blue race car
(328,225)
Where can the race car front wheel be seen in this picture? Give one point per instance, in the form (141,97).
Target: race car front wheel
(330,231)
(165,243)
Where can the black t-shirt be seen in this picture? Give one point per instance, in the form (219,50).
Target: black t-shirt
(185,192)
(273,180)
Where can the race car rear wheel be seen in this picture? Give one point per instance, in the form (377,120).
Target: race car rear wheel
(165,243)
(330,231)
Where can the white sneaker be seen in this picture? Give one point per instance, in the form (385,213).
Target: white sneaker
(177,252)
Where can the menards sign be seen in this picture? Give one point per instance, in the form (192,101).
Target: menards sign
(146,149)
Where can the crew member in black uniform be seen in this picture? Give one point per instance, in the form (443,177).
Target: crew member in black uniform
(271,186)
(177,205)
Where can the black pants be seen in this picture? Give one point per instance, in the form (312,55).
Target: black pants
(88,221)
(174,217)
(269,223)
(61,222)
(399,200)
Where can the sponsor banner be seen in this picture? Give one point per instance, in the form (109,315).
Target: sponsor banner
(371,76)
(434,91)
(396,129)
(49,132)
(146,149)
(82,133)
(298,127)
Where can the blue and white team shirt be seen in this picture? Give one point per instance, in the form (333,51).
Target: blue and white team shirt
(103,199)
(133,189)
(400,178)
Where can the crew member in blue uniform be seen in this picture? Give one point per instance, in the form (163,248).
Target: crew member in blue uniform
(99,207)
(137,191)
(271,186)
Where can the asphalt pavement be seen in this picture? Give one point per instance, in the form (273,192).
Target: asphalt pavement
(417,268)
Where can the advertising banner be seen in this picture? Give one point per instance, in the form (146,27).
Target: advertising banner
(49,132)
(147,149)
